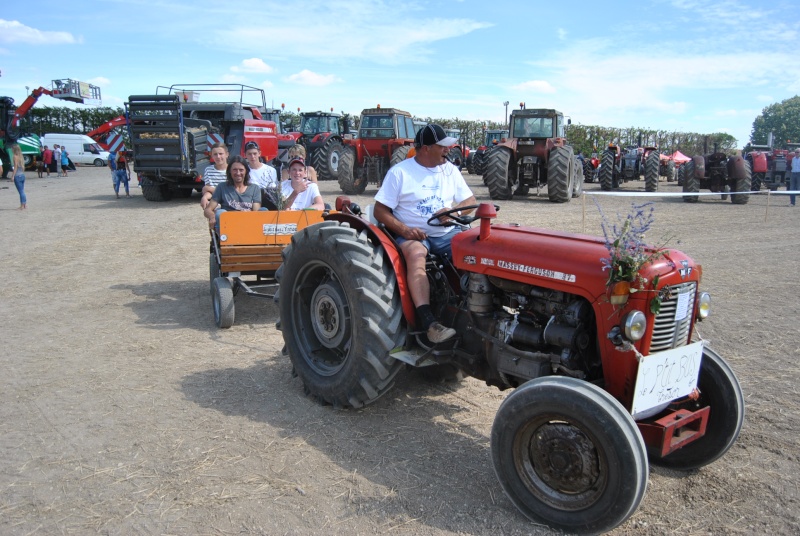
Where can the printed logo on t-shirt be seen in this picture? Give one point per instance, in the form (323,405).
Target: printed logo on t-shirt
(429,205)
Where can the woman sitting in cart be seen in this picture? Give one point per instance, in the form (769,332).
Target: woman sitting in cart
(298,191)
(236,193)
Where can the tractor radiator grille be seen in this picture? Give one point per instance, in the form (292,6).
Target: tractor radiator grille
(667,332)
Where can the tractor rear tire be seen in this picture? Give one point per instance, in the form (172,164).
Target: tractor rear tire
(606,171)
(456,157)
(671,171)
(498,173)
(690,182)
(651,172)
(742,185)
(568,454)
(560,174)
(347,178)
(680,172)
(480,163)
(344,317)
(399,154)
(719,388)
(588,171)
(757,181)
(577,178)
(153,191)
(328,158)
(222,302)
(471,164)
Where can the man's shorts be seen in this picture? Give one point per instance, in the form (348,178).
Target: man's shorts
(438,245)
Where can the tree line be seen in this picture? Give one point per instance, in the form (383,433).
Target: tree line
(782,119)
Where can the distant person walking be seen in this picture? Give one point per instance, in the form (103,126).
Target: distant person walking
(64,161)
(121,174)
(794,181)
(18,167)
(47,159)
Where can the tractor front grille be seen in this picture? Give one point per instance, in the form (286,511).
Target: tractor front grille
(667,332)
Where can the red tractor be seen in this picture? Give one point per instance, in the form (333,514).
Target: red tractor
(717,172)
(385,136)
(604,382)
(618,166)
(321,134)
(769,167)
(537,154)
(591,168)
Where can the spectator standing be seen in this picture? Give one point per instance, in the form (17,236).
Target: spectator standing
(794,179)
(121,174)
(64,161)
(56,159)
(413,191)
(18,171)
(215,174)
(47,159)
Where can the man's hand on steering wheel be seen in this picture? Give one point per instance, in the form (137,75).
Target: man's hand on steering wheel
(452,217)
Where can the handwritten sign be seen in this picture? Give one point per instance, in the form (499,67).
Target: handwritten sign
(279,229)
(666,376)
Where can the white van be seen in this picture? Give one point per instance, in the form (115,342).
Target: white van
(81,148)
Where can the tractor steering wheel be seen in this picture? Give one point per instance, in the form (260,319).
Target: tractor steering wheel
(434,221)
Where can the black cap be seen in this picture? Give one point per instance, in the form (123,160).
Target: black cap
(433,134)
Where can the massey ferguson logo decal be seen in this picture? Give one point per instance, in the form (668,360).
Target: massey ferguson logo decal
(469,259)
(686,270)
(533,270)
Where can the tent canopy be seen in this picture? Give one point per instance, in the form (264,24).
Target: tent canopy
(679,157)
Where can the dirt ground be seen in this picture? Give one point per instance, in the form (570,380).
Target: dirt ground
(123,410)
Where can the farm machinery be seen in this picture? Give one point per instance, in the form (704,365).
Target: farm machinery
(619,166)
(769,166)
(322,137)
(171,133)
(536,155)
(458,154)
(591,168)
(606,380)
(476,160)
(717,172)
(385,136)
(666,168)
(11,117)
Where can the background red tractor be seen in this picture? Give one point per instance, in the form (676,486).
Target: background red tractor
(605,383)
(536,155)
(385,136)
(769,166)
(321,134)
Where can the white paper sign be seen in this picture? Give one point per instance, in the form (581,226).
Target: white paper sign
(682,307)
(666,376)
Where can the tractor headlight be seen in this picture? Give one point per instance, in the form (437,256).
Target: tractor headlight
(634,325)
(703,305)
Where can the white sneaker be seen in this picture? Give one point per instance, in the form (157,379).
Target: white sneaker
(438,333)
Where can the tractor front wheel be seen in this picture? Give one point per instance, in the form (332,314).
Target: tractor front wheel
(568,454)
(742,184)
(327,159)
(455,156)
(577,178)
(606,172)
(499,173)
(719,388)
(757,181)
(560,174)
(348,182)
(344,316)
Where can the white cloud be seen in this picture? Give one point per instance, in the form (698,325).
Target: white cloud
(12,31)
(309,78)
(536,86)
(765,98)
(100,81)
(228,78)
(562,34)
(266,84)
(252,65)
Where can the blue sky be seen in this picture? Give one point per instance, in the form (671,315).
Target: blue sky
(686,65)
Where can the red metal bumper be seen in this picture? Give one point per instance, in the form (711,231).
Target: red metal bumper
(675,430)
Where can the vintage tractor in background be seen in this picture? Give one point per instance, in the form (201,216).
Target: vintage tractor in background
(591,168)
(458,153)
(321,134)
(717,172)
(605,382)
(476,161)
(769,166)
(666,168)
(385,136)
(536,155)
(620,166)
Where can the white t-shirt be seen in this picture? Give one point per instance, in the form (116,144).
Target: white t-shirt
(264,177)
(303,199)
(415,193)
(214,177)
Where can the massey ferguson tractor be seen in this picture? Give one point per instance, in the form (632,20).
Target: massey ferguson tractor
(604,381)
(536,155)
(591,168)
(322,138)
(385,136)
(666,168)
(769,167)
(476,160)
(719,173)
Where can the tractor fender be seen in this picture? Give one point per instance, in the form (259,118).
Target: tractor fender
(699,166)
(736,167)
(391,252)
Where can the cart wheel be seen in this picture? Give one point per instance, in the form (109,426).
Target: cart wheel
(213,271)
(222,298)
